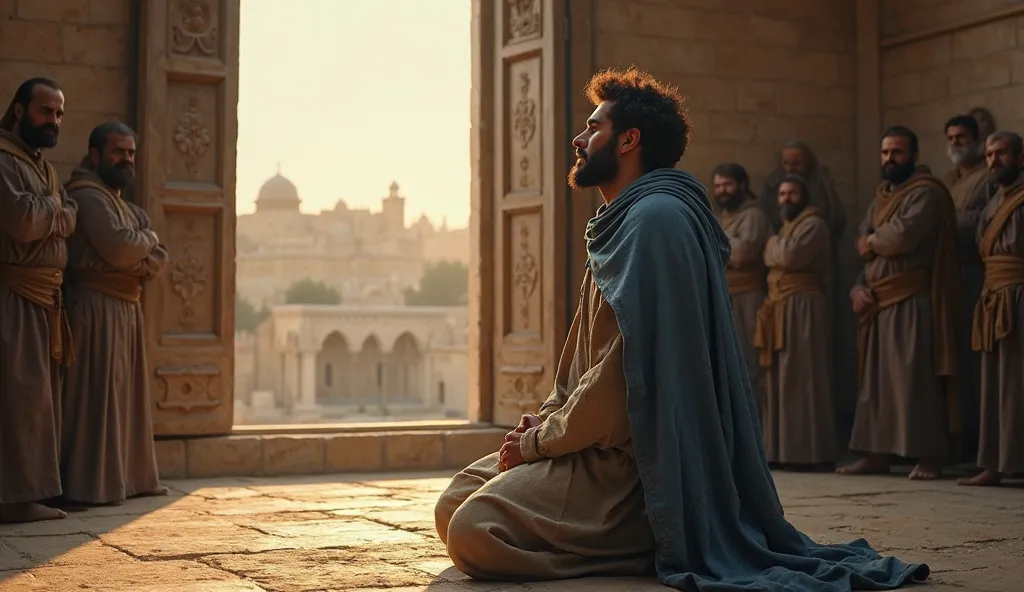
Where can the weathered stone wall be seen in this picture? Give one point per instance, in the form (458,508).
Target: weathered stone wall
(926,81)
(82,44)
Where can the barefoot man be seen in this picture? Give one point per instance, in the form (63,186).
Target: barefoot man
(997,332)
(36,217)
(907,299)
(107,452)
(748,228)
(793,336)
(652,383)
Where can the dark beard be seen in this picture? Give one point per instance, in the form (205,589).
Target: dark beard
(790,211)
(117,176)
(39,137)
(899,173)
(597,169)
(1004,175)
(731,203)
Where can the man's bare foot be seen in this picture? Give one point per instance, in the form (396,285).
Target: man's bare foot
(28,512)
(160,490)
(869,465)
(925,470)
(985,478)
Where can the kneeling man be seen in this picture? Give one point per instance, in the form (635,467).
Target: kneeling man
(646,458)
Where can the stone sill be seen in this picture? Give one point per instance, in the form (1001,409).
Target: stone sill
(285,450)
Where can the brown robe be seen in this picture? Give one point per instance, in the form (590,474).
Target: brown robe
(107,451)
(970,194)
(793,340)
(748,228)
(36,217)
(997,332)
(576,507)
(908,342)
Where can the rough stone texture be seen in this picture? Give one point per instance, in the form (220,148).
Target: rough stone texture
(926,82)
(375,532)
(83,45)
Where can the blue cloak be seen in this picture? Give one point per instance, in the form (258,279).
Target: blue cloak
(658,256)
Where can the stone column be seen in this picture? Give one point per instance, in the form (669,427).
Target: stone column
(290,379)
(306,408)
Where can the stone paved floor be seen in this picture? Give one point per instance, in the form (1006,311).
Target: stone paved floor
(375,533)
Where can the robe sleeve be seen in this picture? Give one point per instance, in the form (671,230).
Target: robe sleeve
(68,216)
(26,217)
(153,264)
(120,246)
(558,395)
(915,222)
(800,251)
(752,231)
(593,415)
(863,230)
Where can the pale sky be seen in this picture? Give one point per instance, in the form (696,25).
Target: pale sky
(348,95)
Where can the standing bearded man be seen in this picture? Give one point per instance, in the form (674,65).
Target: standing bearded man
(748,228)
(997,332)
(969,185)
(907,299)
(36,217)
(107,451)
(651,383)
(793,336)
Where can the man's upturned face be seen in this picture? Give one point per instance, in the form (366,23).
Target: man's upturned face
(961,147)
(794,161)
(898,162)
(1003,165)
(39,124)
(791,201)
(728,192)
(116,166)
(597,158)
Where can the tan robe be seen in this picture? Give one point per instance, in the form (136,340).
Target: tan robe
(793,340)
(748,228)
(902,408)
(35,218)
(576,507)
(998,332)
(107,452)
(970,195)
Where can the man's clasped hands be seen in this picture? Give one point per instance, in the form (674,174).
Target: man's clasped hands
(511,454)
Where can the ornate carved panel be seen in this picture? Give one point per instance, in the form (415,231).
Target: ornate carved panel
(524,270)
(184,388)
(522,389)
(193,274)
(193,154)
(524,19)
(525,130)
(194,28)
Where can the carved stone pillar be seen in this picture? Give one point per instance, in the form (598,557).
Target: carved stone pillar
(290,380)
(306,408)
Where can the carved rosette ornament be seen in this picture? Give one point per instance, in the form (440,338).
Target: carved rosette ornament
(525,275)
(191,136)
(524,18)
(188,280)
(524,125)
(195,30)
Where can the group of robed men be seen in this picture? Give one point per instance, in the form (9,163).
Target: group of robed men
(937,304)
(647,456)
(75,429)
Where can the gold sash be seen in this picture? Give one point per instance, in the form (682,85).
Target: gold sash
(41,286)
(888,291)
(993,314)
(744,280)
(115,284)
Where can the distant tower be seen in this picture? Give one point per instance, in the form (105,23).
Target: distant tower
(393,207)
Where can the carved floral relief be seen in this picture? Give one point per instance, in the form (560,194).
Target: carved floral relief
(194,30)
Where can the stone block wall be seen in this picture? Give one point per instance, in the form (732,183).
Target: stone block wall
(85,46)
(926,81)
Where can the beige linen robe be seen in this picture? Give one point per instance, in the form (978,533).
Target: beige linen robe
(748,228)
(798,423)
(576,507)
(1001,441)
(970,195)
(107,451)
(36,216)
(902,407)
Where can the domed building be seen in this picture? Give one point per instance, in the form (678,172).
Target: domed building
(277,195)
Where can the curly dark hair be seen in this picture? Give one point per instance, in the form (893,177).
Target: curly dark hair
(642,102)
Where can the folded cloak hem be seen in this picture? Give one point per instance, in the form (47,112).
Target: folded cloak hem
(658,255)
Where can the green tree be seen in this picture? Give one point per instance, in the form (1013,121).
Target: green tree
(247,318)
(309,292)
(445,283)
